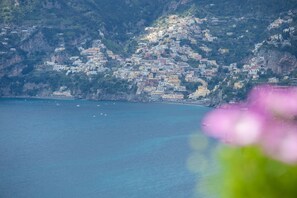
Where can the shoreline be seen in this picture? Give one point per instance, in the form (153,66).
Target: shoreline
(183,103)
(188,103)
(38,97)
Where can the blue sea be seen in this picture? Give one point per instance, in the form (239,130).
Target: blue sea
(88,149)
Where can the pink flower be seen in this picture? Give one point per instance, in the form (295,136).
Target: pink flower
(279,106)
(280,102)
(280,141)
(268,119)
(234,124)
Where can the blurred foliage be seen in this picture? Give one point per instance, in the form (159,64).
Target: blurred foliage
(247,172)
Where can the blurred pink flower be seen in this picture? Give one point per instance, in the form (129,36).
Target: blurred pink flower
(268,119)
(279,102)
(234,124)
(280,141)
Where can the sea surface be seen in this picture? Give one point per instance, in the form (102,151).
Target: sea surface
(88,149)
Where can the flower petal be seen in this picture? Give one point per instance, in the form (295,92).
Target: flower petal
(234,124)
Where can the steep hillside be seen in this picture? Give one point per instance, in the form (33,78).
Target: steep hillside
(183,50)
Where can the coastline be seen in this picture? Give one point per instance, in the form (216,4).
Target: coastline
(188,103)
(38,97)
(194,103)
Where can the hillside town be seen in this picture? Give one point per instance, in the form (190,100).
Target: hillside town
(159,64)
(164,61)
(171,55)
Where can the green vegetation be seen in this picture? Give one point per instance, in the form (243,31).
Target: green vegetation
(247,172)
(190,86)
(80,84)
(193,63)
(117,17)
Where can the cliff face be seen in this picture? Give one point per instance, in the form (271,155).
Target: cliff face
(278,61)
(145,50)
(36,43)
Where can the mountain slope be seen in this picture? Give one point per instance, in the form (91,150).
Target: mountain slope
(146,50)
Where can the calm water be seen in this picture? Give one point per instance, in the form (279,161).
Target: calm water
(83,149)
